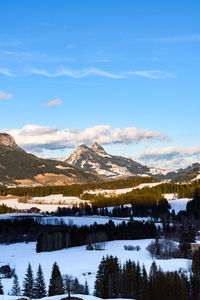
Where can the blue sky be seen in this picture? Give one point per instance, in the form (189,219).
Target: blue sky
(127,70)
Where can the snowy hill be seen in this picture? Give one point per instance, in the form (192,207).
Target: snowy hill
(77,261)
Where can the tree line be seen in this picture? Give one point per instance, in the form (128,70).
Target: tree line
(35,287)
(61,237)
(132,281)
(74,189)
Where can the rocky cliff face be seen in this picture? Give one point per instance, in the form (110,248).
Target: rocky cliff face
(7,140)
(96,160)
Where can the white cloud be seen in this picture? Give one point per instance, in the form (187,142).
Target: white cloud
(153,74)
(56,102)
(170,157)
(6,72)
(36,138)
(76,74)
(4,96)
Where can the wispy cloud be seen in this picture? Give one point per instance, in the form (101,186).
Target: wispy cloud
(76,74)
(15,53)
(56,102)
(190,38)
(153,74)
(4,96)
(6,72)
(35,138)
(150,74)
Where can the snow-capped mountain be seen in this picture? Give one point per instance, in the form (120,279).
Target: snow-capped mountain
(96,160)
(19,167)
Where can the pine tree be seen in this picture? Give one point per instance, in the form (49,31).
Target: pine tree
(1,288)
(86,288)
(28,283)
(39,286)
(76,286)
(107,279)
(56,281)
(16,288)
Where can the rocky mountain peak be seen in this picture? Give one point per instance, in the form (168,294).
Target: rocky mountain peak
(97,148)
(7,140)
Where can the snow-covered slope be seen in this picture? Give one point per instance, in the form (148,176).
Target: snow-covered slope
(77,261)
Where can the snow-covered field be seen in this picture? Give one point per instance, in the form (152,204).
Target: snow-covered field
(68,220)
(58,297)
(52,202)
(123,191)
(49,204)
(77,261)
(58,199)
(179,204)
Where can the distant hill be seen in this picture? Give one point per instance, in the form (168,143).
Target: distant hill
(18,166)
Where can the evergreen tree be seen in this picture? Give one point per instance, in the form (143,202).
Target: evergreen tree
(107,283)
(86,288)
(28,284)
(56,282)
(76,286)
(39,286)
(184,245)
(144,285)
(1,288)
(195,277)
(16,287)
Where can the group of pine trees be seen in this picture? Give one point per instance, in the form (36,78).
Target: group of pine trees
(63,237)
(35,288)
(132,281)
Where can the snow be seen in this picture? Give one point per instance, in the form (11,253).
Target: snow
(62,168)
(156,171)
(196,178)
(43,207)
(57,199)
(58,297)
(179,204)
(171,196)
(71,220)
(47,203)
(123,191)
(77,261)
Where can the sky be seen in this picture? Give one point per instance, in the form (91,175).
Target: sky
(124,73)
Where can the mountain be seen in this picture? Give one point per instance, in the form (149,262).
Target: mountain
(96,160)
(188,174)
(19,167)
(83,166)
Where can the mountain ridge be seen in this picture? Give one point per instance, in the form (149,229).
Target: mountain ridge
(96,160)
(19,167)
(84,165)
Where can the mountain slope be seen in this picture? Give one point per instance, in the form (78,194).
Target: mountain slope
(18,166)
(96,160)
